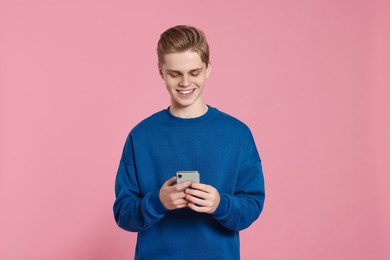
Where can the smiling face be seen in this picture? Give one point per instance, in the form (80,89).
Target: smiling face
(185,75)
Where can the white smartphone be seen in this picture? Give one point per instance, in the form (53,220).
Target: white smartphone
(183,176)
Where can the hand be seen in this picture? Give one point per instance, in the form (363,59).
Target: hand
(172,196)
(202,198)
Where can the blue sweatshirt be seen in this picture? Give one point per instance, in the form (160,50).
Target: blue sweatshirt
(217,145)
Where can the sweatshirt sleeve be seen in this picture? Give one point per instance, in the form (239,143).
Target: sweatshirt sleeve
(131,211)
(240,210)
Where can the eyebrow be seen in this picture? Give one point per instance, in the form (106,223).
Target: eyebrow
(177,71)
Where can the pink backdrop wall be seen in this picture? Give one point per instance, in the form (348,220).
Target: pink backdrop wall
(311,79)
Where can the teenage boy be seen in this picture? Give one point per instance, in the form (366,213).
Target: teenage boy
(188,220)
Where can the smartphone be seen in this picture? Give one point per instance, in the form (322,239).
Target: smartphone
(192,176)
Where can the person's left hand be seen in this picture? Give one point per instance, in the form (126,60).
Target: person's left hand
(202,198)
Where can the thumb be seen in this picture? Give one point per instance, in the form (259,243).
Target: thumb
(171,181)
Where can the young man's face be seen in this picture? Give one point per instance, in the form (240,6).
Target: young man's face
(185,76)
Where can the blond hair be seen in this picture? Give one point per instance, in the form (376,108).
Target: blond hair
(182,38)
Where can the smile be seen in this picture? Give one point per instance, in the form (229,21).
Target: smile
(186,92)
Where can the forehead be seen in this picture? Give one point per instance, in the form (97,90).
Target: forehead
(183,61)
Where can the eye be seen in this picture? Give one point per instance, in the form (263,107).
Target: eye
(173,75)
(195,73)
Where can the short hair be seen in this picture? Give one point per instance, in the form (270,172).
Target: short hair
(182,38)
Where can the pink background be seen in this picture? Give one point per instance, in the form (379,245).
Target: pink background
(311,79)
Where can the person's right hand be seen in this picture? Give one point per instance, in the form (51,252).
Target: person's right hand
(172,196)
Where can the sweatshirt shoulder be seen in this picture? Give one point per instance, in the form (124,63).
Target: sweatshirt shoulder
(231,121)
(148,123)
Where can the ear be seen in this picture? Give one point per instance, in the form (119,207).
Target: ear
(160,70)
(208,70)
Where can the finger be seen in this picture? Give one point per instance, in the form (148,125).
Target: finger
(178,195)
(180,202)
(180,206)
(183,186)
(198,201)
(197,208)
(201,186)
(197,193)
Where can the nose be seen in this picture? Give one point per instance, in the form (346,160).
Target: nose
(185,81)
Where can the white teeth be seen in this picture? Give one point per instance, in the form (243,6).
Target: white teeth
(186,92)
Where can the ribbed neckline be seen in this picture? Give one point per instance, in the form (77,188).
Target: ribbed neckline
(211,112)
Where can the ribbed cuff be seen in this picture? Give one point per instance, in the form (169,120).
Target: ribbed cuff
(156,204)
(223,206)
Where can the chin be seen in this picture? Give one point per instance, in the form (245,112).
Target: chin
(184,103)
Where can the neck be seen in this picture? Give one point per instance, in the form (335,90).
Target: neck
(188,112)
